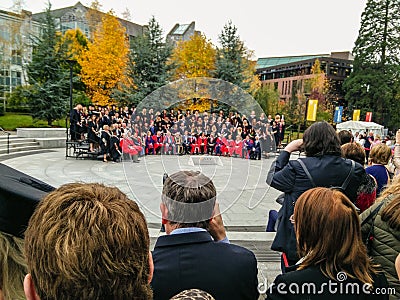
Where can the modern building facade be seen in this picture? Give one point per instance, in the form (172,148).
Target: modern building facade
(181,32)
(16,30)
(84,18)
(289,73)
(15,48)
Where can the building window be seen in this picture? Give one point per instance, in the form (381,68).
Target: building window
(333,70)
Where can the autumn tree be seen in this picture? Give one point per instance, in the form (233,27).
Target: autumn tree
(233,60)
(94,16)
(193,58)
(104,62)
(319,90)
(318,82)
(372,84)
(48,77)
(147,69)
(76,43)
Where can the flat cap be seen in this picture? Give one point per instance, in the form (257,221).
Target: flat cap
(19,196)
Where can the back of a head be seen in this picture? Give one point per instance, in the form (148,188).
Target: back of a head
(193,294)
(190,198)
(345,137)
(12,266)
(354,151)
(323,212)
(391,213)
(88,241)
(380,154)
(321,139)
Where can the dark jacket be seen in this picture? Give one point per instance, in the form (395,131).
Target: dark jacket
(385,245)
(194,260)
(285,286)
(289,177)
(105,142)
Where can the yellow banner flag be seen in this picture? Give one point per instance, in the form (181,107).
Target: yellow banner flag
(312,110)
(356,115)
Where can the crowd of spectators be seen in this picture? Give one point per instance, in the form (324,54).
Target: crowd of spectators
(176,132)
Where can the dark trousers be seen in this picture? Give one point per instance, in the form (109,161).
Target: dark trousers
(272,217)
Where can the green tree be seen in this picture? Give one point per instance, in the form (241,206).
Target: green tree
(233,59)
(371,86)
(147,68)
(268,98)
(48,94)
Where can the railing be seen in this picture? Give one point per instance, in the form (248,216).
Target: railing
(3,132)
(289,133)
(292,132)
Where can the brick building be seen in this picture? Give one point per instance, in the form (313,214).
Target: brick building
(289,73)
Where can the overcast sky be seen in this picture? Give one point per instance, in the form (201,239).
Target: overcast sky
(268,27)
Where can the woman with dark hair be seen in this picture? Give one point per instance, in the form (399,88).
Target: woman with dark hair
(367,190)
(115,151)
(384,216)
(323,166)
(334,264)
(92,132)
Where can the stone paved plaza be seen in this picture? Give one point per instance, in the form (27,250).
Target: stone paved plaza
(244,197)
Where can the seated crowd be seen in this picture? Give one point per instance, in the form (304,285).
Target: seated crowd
(171,132)
(90,241)
(327,164)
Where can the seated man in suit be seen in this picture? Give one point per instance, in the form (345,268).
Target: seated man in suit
(196,253)
(87,241)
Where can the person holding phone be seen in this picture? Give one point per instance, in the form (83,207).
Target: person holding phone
(323,166)
(195,252)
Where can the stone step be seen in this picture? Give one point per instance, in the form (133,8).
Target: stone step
(18,144)
(14,138)
(22,153)
(24,148)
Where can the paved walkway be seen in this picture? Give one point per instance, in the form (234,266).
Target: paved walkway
(244,197)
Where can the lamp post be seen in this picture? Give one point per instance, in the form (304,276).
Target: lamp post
(71,63)
(307,95)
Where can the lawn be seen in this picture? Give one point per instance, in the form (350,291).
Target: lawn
(11,121)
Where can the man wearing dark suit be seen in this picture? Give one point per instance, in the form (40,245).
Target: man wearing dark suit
(196,253)
(75,122)
(186,142)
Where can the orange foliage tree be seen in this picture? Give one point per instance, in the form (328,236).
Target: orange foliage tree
(76,43)
(193,58)
(104,62)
